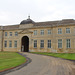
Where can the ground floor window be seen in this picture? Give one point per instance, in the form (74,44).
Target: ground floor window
(15,44)
(10,43)
(59,43)
(68,45)
(35,43)
(41,43)
(5,43)
(49,43)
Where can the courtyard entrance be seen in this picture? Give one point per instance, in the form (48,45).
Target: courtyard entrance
(25,44)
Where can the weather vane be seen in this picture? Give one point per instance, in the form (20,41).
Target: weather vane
(29,16)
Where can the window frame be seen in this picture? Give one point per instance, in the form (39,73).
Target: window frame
(5,44)
(41,32)
(41,43)
(49,31)
(10,33)
(35,32)
(10,44)
(15,44)
(67,30)
(35,43)
(5,33)
(16,33)
(49,44)
(59,30)
(68,43)
(59,43)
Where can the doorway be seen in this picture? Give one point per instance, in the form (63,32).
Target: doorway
(25,44)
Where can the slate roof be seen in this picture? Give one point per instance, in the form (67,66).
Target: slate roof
(10,27)
(43,24)
(55,23)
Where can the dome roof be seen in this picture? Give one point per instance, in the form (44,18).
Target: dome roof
(28,21)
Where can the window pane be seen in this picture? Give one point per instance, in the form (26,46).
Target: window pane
(10,43)
(49,32)
(5,44)
(42,32)
(10,33)
(67,30)
(5,33)
(59,31)
(16,33)
(35,43)
(42,43)
(74,29)
(35,32)
(15,43)
(49,43)
(68,43)
(59,43)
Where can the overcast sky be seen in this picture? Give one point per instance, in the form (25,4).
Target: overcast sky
(14,11)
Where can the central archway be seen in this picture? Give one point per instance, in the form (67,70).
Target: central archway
(25,44)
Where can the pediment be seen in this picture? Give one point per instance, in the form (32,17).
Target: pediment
(25,32)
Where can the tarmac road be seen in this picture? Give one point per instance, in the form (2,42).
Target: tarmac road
(46,65)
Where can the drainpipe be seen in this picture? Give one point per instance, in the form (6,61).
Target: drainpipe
(2,38)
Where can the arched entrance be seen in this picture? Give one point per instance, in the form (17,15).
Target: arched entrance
(25,44)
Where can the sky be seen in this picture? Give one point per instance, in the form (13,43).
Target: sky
(12,12)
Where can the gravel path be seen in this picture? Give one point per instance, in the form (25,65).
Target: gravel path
(46,65)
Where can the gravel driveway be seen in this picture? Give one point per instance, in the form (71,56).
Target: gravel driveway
(46,65)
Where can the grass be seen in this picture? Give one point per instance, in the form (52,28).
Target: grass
(10,60)
(70,56)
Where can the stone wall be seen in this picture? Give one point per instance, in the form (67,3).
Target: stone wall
(29,32)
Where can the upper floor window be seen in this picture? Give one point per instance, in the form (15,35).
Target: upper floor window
(42,32)
(49,43)
(59,31)
(35,32)
(15,44)
(59,43)
(16,33)
(10,33)
(74,29)
(41,43)
(5,33)
(35,43)
(49,32)
(5,43)
(67,30)
(68,44)
(10,43)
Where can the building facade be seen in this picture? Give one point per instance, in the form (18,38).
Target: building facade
(30,36)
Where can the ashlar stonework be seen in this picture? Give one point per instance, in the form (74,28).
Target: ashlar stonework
(30,36)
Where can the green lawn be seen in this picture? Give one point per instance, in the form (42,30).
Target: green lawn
(70,56)
(10,60)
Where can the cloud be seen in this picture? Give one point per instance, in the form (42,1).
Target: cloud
(9,18)
(14,11)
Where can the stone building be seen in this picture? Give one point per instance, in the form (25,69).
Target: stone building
(30,36)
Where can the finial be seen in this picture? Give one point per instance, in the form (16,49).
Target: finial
(29,17)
